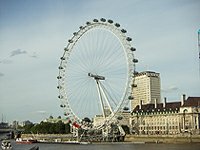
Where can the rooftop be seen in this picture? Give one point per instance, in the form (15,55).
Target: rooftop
(172,106)
(148,73)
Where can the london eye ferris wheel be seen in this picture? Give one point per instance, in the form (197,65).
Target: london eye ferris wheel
(96,72)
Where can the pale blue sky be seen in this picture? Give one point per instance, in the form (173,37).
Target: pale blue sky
(34,32)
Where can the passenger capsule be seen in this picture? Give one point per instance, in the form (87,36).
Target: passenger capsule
(59,77)
(88,23)
(123,31)
(129,39)
(60,67)
(66,114)
(60,96)
(103,20)
(134,85)
(81,27)
(75,33)
(126,108)
(95,20)
(70,41)
(133,49)
(66,49)
(135,60)
(59,87)
(130,97)
(110,21)
(62,106)
(117,24)
(62,58)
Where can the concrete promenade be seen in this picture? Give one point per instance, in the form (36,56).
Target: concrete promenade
(187,138)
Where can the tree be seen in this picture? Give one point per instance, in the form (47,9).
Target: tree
(67,128)
(59,127)
(86,119)
(48,128)
(27,128)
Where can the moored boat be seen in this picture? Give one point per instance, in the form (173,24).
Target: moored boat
(62,142)
(25,141)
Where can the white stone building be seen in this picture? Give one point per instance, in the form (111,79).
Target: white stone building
(167,118)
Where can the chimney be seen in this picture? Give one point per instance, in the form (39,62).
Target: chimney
(183,98)
(165,102)
(155,102)
(140,106)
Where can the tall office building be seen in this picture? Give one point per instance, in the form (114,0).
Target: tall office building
(147,89)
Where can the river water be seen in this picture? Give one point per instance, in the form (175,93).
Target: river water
(110,146)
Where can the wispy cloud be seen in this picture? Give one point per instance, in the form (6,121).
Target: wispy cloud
(41,112)
(17,52)
(170,89)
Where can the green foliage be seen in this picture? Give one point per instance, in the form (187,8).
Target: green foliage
(48,128)
(67,128)
(86,119)
(27,128)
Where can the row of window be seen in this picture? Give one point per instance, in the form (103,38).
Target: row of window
(159,128)
(160,123)
(152,112)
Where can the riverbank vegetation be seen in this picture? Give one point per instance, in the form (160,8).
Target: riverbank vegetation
(47,128)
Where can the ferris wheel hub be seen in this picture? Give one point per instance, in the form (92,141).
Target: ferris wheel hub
(96,77)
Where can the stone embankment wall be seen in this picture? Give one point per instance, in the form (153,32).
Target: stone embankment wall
(48,137)
(128,138)
(163,138)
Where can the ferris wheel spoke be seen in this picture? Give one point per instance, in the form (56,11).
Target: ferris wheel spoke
(86,51)
(112,91)
(114,68)
(78,103)
(106,98)
(104,50)
(108,58)
(84,92)
(112,63)
(78,64)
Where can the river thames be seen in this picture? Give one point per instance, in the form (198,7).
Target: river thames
(109,146)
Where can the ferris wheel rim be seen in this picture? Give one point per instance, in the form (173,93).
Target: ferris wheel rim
(125,42)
